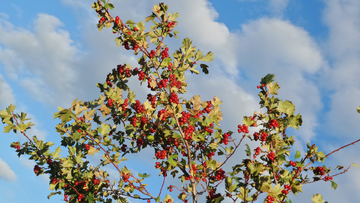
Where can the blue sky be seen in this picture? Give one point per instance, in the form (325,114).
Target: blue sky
(51,53)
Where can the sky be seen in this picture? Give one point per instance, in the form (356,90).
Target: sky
(51,53)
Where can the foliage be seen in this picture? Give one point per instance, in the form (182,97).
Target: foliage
(184,134)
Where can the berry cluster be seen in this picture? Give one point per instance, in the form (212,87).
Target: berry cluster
(110,102)
(243,128)
(139,108)
(270,199)
(271,156)
(226,138)
(170,24)
(123,72)
(319,171)
(292,163)
(264,135)
(220,174)
(152,99)
(37,170)
(263,85)
(152,53)
(174,98)
(163,83)
(257,152)
(125,104)
(160,154)
(185,116)
(117,20)
(210,154)
(133,121)
(102,20)
(188,132)
(273,123)
(287,189)
(164,53)
(174,82)
(162,115)
(141,75)
(327,178)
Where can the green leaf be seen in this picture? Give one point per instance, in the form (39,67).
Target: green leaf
(317,199)
(8,128)
(273,88)
(248,151)
(334,185)
(204,68)
(54,193)
(208,58)
(286,107)
(267,79)
(11,108)
(297,155)
(109,6)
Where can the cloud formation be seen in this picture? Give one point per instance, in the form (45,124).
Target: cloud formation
(43,61)
(6,173)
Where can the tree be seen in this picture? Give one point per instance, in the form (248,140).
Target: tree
(185,134)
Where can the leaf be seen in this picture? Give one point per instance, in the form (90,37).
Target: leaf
(54,193)
(11,108)
(267,79)
(208,58)
(358,109)
(295,121)
(273,88)
(204,68)
(286,107)
(109,6)
(317,199)
(356,165)
(334,185)
(57,152)
(248,151)
(297,155)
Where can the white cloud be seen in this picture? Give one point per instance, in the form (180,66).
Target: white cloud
(27,163)
(277,7)
(6,93)
(6,173)
(43,61)
(343,47)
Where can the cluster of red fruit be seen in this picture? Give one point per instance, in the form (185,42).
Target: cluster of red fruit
(138,107)
(164,53)
(125,104)
(185,116)
(226,138)
(174,98)
(152,99)
(102,20)
(152,53)
(263,136)
(273,123)
(319,171)
(124,72)
(292,163)
(271,156)
(160,154)
(257,152)
(220,174)
(243,128)
(263,85)
(327,178)
(287,189)
(270,199)
(174,82)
